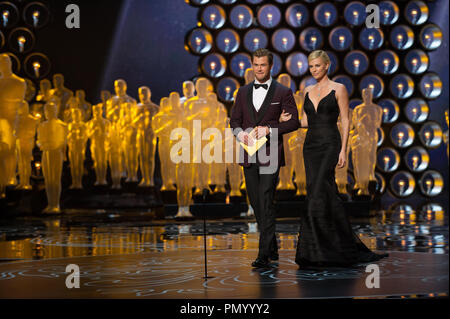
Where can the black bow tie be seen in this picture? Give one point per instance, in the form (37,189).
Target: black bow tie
(264,86)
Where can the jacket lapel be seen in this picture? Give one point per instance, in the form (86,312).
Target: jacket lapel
(266,103)
(250,106)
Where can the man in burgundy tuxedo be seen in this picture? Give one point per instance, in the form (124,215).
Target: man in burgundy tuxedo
(255,114)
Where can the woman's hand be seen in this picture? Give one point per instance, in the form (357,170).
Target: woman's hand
(284,117)
(342,159)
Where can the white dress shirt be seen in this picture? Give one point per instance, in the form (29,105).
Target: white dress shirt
(260,94)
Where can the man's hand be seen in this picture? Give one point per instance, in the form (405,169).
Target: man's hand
(260,131)
(246,138)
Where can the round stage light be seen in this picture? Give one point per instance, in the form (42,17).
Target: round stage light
(380,135)
(402,37)
(388,159)
(226,2)
(283,40)
(21,40)
(403,214)
(391,110)
(255,39)
(356,62)
(431,134)
(432,208)
(213,16)
(354,103)
(241,16)
(340,38)
(9,15)
(297,15)
(311,39)
(225,88)
(36,15)
(371,38)
(277,65)
(228,41)
(37,65)
(255,1)
(387,62)
(381,183)
(416,61)
(401,208)
(355,13)
(200,41)
(334,63)
(297,64)
(282,1)
(402,184)
(431,183)
(239,63)
(402,135)
(214,65)
(417,159)
(347,81)
(402,86)
(417,110)
(269,16)
(389,12)
(431,37)
(430,86)
(325,14)
(198,2)
(416,12)
(373,82)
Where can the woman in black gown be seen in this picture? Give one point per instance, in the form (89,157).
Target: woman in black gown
(326,237)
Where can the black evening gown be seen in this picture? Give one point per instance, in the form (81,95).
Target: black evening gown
(326,237)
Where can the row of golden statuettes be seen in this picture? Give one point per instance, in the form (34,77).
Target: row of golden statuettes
(123,135)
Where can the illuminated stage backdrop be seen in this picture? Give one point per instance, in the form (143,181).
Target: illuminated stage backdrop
(405,61)
(394,60)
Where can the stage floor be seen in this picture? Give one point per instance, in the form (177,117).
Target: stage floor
(165,259)
(179,274)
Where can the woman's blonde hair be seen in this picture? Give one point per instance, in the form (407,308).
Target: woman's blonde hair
(319,54)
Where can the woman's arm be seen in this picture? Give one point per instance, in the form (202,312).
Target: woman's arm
(342,98)
(304,119)
(303,116)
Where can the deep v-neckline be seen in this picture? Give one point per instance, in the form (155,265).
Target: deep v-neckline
(318,104)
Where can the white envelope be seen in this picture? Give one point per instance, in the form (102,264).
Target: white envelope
(256,146)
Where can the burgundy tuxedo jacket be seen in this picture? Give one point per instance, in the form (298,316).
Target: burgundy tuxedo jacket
(245,116)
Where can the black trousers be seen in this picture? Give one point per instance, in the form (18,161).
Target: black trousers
(261,191)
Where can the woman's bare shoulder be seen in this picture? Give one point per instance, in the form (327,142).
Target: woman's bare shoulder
(309,88)
(337,86)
